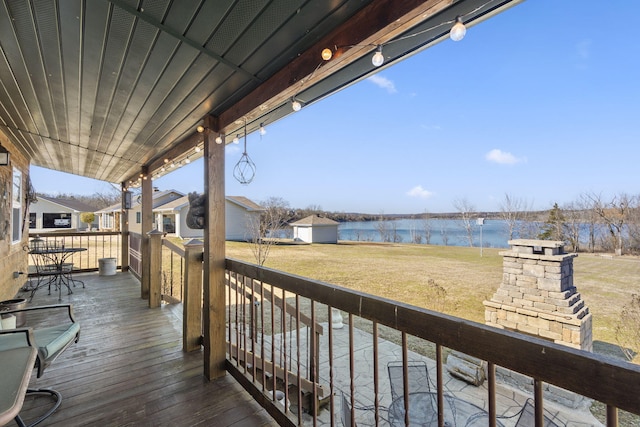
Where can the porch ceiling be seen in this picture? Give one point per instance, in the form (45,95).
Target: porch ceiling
(103,89)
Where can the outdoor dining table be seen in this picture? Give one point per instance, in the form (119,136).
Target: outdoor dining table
(52,263)
(423,411)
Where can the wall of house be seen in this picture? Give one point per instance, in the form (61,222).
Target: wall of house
(12,256)
(239,222)
(326,234)
(45,206)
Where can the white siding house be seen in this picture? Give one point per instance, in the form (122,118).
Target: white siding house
(53,214)
(316,229)
(170,212)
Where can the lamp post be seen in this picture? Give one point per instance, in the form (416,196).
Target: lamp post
(480,222)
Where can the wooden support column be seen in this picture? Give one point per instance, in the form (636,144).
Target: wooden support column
(214,256)
(147,226)
(155,268)
(124,232)
(192,300)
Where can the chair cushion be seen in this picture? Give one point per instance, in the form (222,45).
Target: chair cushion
(54,338)
(15,370)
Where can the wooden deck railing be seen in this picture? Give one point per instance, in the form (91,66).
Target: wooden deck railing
(99,245)
(282,346)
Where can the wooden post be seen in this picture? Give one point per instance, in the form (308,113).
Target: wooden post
(155,272)
(214,256)
(192,300)
(124,234)
(147,226)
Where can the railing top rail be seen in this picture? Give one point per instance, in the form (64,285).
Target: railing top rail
(173,247)
(608,380)
(74,233)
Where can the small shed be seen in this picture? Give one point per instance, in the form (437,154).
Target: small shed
(316,229)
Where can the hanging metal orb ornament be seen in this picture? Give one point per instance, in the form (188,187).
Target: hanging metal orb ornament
(245,169)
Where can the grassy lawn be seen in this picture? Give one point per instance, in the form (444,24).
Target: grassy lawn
(402,272)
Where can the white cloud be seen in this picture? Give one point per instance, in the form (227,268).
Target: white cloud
(383,83)
(419,192)
(502,157)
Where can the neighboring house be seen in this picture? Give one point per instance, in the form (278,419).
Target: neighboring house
(170,212)
(315,229)
(52,213)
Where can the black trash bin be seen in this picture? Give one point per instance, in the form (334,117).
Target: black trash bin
(15,304)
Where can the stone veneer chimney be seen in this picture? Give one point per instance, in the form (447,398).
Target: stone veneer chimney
(537,295)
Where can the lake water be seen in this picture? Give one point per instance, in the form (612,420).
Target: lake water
(443,232)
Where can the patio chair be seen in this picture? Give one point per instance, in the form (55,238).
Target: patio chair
(50,341)
(45,344)
(345,413)
(417,377)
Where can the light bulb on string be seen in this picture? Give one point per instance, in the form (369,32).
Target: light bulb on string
(296,105)
(218,140)
(187,160)
(236,140)
(263,131)
(326,54)
(378,58)
(458,30)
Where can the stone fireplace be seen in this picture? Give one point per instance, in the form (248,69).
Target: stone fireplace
(538,297)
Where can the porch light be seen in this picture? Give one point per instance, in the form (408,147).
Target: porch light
(378,58)
(4,156)
(458,30)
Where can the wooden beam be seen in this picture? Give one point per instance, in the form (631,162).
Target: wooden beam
(377,23)
(214,260)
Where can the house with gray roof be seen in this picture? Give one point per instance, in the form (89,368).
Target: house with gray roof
(315,229)
(53,214)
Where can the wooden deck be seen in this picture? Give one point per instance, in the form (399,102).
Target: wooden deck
(129,368)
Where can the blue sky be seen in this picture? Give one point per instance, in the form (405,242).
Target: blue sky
(540,102)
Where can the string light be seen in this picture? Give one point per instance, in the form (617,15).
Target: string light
(295,105)
(198,148)
(236,140)
(327,54)
(187,160)
(263,131)
(378,58)
(200,129)
(218,139)
(458,30)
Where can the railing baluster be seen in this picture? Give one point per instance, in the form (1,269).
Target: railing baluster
(440,384)
(352,380)
(283,344)
(314,364)
(262,368)
(405,381)
(376,380)
(612,416)
(491,373)
(298,357)
(539,402)
(331,388)
(273,341)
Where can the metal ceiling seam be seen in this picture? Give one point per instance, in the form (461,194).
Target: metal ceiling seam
(181,37)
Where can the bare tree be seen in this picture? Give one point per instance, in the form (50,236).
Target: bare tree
(382,226)
(590,219)
(573,224)
(513,211)
(467,211)
(263,230)
(615,215)
(628,328)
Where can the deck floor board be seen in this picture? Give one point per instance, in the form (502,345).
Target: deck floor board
(128,369)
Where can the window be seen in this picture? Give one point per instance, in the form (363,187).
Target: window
(16,207)
(56,220)
(138,217)
(32,220)
(107,220)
